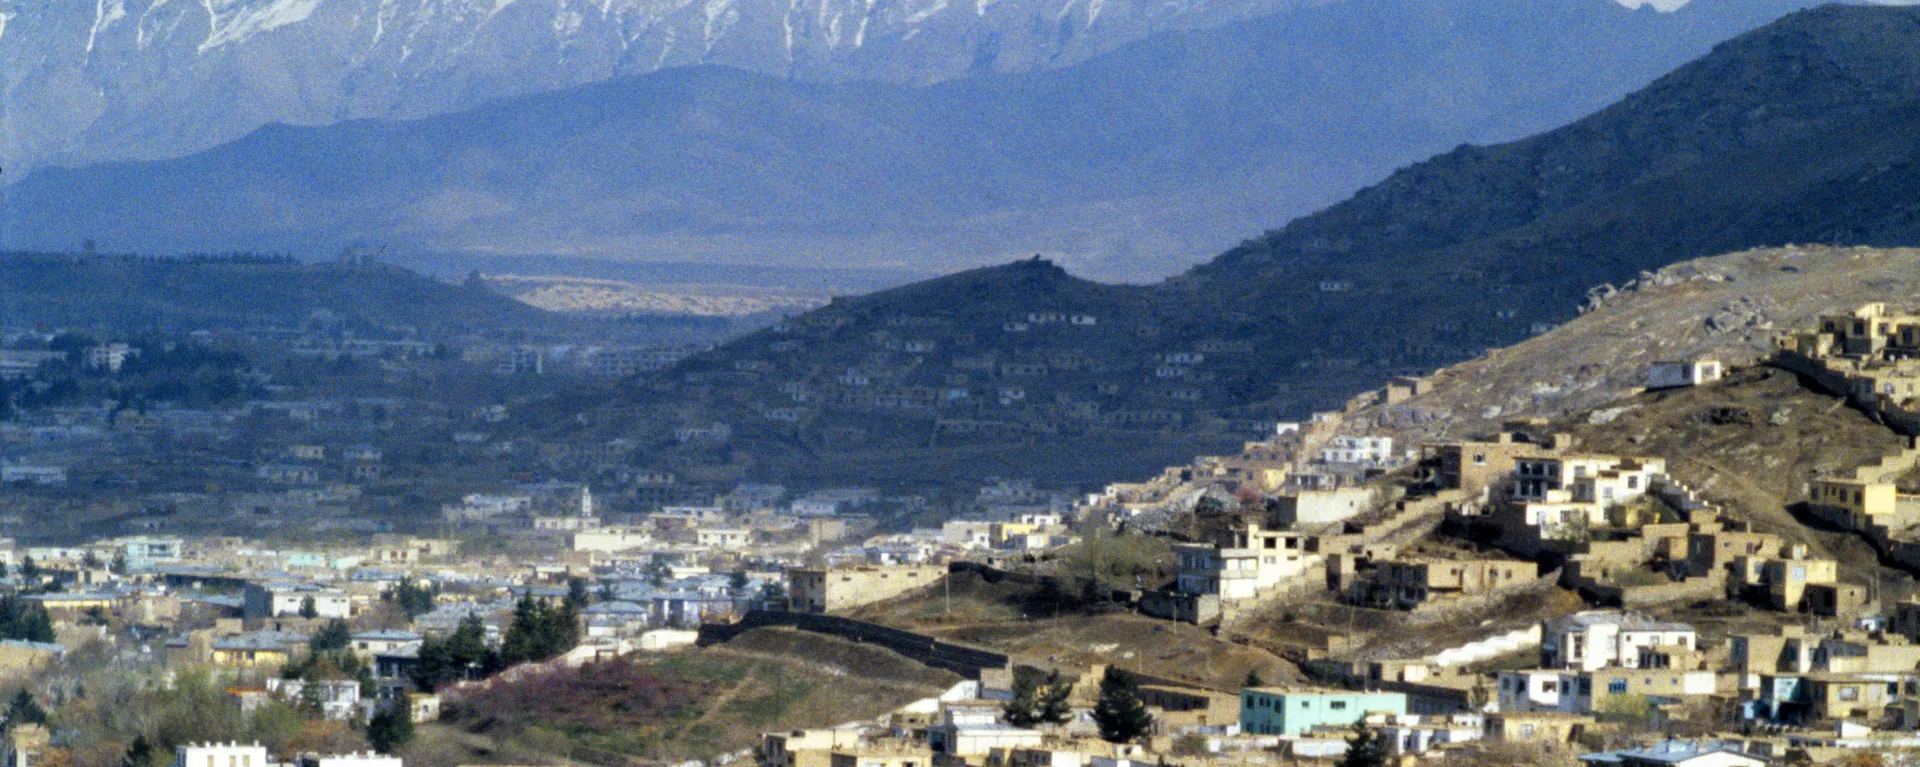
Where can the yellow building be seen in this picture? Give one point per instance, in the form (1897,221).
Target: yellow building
(262,650)
(1787,578)
(1859,504)
(1002,532)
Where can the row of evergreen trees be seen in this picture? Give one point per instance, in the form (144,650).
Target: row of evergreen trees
(539,631)
(24,619)
(1119,712)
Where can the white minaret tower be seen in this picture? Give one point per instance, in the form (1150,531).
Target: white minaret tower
(586,500)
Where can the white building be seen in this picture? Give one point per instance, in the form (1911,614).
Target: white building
(1601,479)
(1531,690)
(611,540)
(480,506)
(1358,450)
(722,537)
(368,644)
(339,699)
(1674,374)
(1414,734)
(1597,639)
(976,731)
(368,759)
(1257,560)
(221,755)
(1306,509)
(280,598)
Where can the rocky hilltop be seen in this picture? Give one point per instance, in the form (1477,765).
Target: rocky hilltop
(1783,135)
(1727,308)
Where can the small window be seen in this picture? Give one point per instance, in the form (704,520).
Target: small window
(1339,705)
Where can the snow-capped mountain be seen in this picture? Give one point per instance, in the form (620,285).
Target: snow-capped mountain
(88,80)
(1129,165)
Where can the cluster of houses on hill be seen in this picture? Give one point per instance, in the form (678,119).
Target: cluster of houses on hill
(1784,695)
(1872,357)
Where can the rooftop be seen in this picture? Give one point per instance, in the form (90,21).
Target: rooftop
(1668,752)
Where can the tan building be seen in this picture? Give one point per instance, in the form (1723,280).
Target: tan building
(805,748)
(821,591)
(19,658)
(824,529)
(1752,655)
(1535,727)
(1834,696)
(1714,548)
(883,754)
(1787,580)
(1178,707)
(26,744)
(1405,584)
(1477,466)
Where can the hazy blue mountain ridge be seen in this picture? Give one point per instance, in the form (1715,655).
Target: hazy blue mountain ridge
(1130,165)
(1796,133)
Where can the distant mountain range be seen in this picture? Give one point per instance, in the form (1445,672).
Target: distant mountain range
(1131,164)
(150,79)
(1800,132)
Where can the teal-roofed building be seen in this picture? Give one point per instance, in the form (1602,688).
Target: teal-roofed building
(1292,711)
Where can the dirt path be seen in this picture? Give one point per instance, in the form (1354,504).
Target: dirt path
(723,699)
(763,657)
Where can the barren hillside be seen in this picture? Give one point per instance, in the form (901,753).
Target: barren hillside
(1727,307)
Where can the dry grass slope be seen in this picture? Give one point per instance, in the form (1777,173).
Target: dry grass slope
(687,705)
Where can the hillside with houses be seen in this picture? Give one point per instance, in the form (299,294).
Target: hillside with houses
(1714,566)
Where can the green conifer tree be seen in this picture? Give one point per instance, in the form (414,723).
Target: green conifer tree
(1054,707)
(1119,712)
(1367,747)
(391,726)
(139,754)
(1023,710)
